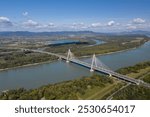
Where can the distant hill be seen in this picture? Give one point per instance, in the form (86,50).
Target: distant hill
(139,32)
(26,33)
(66,33)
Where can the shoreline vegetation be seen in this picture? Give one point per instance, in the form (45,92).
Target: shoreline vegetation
(20,60)
(111,52)
(50,61)
(27,65)
(86,56)
(88,88)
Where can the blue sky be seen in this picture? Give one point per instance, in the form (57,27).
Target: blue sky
(58,15)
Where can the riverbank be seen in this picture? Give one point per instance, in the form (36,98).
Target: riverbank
(85,88)
(114,51)
(34,64)
(110,52)
(27,65)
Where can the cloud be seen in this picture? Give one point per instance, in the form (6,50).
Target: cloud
(5,22)
(131,27)
(4,19)
(111,23)
(51,25)
(25,13)
(96,25)
(138,20)
(80,25)
(30,23)
(46,26)
(33,25)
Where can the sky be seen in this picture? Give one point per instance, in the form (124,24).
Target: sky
(74,15)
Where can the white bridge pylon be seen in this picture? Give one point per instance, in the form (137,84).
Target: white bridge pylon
(69,56)
(94,63)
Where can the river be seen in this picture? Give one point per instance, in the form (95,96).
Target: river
(36,76)
(97,42)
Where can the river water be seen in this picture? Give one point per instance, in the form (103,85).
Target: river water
(36,76)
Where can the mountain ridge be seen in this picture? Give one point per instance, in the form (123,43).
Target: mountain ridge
(28,33)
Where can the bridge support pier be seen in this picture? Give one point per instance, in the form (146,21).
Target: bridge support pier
(91,70)
(59,58)
(67,61)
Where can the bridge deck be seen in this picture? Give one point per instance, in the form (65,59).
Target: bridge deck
(106,71)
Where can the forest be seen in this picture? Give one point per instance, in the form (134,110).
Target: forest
(17,59)
(89,87)
(64,90)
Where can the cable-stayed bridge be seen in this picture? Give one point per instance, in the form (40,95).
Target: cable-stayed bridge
(96,65)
